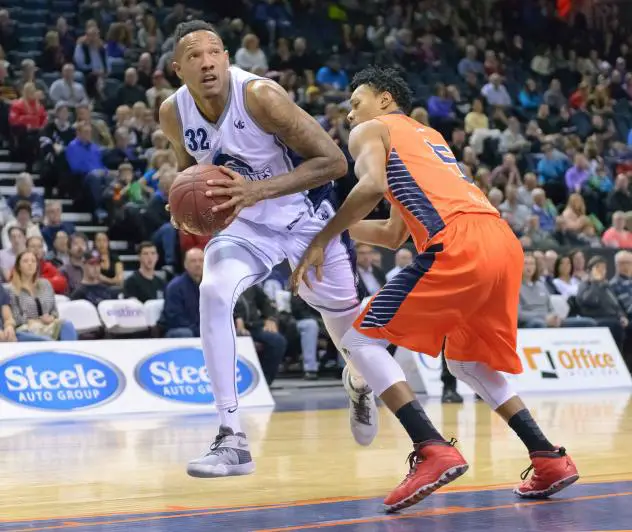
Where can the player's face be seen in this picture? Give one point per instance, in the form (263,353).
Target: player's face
(202,63)
(366,104)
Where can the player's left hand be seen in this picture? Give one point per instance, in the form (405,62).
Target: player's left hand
(242,193)
(314,256)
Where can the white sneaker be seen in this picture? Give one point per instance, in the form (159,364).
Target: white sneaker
(229,456)
(363,416)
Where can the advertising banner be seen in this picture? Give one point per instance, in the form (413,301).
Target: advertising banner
(552,359)
(72,379)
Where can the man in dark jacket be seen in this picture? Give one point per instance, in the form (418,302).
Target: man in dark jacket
(181,315)
(596,299)
(255,316)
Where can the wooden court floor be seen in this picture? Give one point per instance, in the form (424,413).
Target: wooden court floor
(128,474)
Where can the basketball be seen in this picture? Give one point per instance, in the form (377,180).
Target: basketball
(190,207)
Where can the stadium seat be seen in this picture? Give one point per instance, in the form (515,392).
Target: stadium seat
(82,314)
(283,298)
(153,311)
(560,306)
(61,299)
(123,316)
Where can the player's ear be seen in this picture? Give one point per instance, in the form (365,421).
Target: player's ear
(386,98)
(176,68)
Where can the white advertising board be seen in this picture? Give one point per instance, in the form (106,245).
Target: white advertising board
(552,359)
(87,378)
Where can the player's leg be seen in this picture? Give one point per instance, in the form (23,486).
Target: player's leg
(230,267)
(336,298)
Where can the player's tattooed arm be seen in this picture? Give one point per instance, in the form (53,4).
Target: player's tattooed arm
(273,110)
(390,233)
(170,126)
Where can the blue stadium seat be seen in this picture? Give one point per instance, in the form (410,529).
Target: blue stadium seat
(34,15)
(111,87)
(31,30)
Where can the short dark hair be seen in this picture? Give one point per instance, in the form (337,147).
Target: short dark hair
(18,229)
(145,245)
(82,236)
(22,206)
(558,264)
(386,79)
(184,28)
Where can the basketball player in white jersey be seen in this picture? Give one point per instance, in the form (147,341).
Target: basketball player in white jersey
(226,116)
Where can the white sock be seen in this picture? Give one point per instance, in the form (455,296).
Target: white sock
(229,417)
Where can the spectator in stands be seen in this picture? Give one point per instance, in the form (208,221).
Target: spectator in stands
(596,299)
(507,173)
(122,152)
(8,34)
(476,118)
(28,72)
(73,271)
(90,55)
(535,309)
(578,174)
(525,191)
(66,37)
(308,324)
(149,28)
(57,135)
(33,302)
(553,96)
(177,15)
(27,117)
(441,110)
(565,283)
(145,70)
(370,278)
(255,316)
(84,159)
(516,214)
(156,221)
(403,258)
(181,314)
(621,283)
(23,220)
(17,239)
(131,92)
(250,56)
(112,273)
(470,64)
(52,58)
(8,94)
(551,168)
(617,236)
(144,284)
(332,79)
(46,269)
(24,193)
(58,253)
(53,223)
(574,214)
(620,198)
(546,275)
(512,140)
(495,93)
(100,131)
(91,287)
(160,88)
(529,97)
(7,323)
(119,40)
(67,90)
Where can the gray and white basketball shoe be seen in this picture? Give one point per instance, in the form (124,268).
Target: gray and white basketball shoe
(363,415)
(228,456)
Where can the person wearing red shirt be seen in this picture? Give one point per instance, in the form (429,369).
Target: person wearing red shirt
(27,116)
(617,236)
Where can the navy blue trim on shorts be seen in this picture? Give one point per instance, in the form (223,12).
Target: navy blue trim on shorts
(388,300)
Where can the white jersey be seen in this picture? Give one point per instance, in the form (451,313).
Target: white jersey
(237,142)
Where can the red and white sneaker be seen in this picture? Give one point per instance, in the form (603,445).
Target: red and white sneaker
(552,472)
(432,464)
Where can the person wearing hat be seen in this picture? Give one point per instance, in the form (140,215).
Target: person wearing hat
(66,89)
(596,299)
(91,288)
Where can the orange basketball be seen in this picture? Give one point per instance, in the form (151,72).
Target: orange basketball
(189,205)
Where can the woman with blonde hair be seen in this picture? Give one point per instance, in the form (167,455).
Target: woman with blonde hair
(119,40)
(574,214)
(33,302)
(52,58)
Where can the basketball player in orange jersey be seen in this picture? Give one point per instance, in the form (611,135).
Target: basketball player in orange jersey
(463,286)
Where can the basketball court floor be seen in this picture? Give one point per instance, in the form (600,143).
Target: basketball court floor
(128,473)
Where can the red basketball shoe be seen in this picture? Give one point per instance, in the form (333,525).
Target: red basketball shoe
(552,472)
(432,464)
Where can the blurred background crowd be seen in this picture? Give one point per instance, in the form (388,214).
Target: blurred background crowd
(533,96)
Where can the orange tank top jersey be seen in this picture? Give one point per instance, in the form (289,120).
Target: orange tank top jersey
(425,183)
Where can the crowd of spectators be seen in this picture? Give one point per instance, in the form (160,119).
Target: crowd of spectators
(536,108)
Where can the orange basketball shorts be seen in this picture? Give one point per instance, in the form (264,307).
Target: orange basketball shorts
(463,287)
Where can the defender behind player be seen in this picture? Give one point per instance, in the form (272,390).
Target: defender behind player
(464,286)
(226,116)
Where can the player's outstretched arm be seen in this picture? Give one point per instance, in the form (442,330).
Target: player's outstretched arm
(390,233)
(274,111)
(171,128)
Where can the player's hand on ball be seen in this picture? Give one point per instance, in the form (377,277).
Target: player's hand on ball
(173,220)
(314,256)
(242,193)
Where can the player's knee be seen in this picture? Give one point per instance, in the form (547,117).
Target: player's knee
(216,295)
(488,383)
